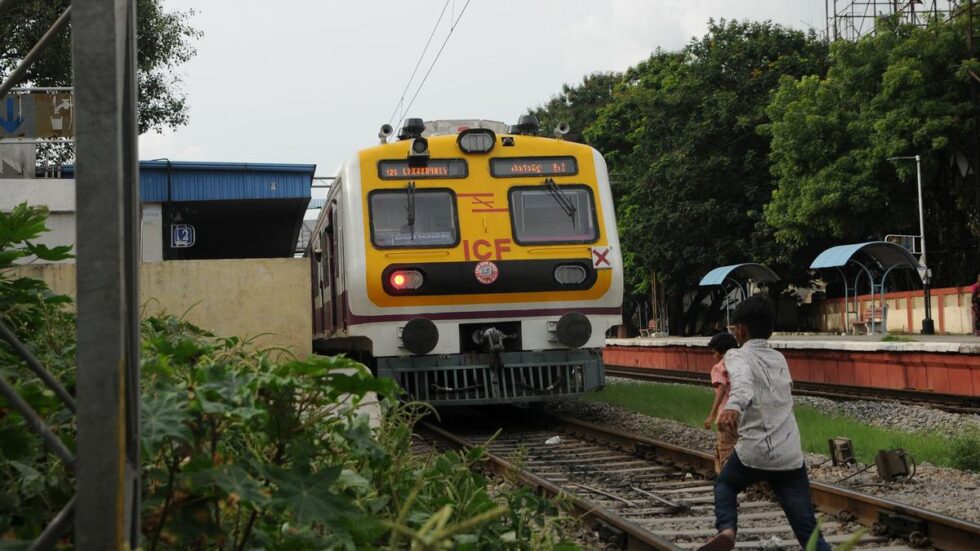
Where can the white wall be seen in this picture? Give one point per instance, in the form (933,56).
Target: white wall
(59,196)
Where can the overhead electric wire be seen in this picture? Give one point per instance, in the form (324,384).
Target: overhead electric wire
(418,63)
(433,64)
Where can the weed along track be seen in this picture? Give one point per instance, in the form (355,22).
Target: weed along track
(945,402)
(638,493)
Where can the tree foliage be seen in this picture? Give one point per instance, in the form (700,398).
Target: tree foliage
(682,130)
(577,105)
(902,92)
(164,43)
(760,143)
(679,132)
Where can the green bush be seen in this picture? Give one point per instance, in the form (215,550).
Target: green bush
(241,451)
(965,451)
(35,484)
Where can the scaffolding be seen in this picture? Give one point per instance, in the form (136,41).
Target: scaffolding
(852,19)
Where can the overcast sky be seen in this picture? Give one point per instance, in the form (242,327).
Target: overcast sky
(311,81)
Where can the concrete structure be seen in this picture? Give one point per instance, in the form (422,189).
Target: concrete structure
(59,197)
(268,298)
(238,210)
(904,311)
(944,365)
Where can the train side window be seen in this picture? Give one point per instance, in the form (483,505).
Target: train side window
(426,220)
(538,215)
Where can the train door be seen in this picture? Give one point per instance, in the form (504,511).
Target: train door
(316,289)
(328,243)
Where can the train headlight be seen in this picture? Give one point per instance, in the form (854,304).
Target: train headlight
(570,274)
(418,152)
(420,336)
(573,329)
(406,280)
(476,140)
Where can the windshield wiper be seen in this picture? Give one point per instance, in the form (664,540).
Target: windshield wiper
(410,207)
(561,198)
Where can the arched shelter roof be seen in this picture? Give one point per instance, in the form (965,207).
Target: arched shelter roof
(888,255)
(749,270)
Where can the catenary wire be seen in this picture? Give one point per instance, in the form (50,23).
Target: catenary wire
(433,64)
(418,63)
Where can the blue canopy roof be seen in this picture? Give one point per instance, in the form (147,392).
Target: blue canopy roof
(163,181)
(756,272)
(888,255)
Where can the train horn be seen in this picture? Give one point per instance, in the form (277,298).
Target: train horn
(561,129)
(385,132)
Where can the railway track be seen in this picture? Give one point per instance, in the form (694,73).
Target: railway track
(946,402)
(639,493)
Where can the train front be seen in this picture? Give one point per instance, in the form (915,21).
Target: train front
(492,267)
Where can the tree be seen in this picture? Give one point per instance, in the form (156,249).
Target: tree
(904,91)
(681,134)
(164,43)
(577,105)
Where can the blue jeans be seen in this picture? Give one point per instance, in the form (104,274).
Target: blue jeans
(792,489)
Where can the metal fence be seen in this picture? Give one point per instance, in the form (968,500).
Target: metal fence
(106,505)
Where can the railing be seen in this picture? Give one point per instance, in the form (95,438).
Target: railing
(61,521)
(106,465)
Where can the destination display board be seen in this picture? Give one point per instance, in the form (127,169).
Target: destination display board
(513,167)
(434,168)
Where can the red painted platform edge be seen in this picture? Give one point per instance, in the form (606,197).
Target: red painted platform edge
(957,374)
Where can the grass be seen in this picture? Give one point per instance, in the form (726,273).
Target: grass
(690,405)
(897,338)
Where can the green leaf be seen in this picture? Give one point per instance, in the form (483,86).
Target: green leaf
(307,496)
(234,482)
(164,416)
(44,252)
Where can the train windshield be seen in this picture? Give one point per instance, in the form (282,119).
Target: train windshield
(553,214)
(413,218)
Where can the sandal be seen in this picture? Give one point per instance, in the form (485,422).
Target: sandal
(721,542)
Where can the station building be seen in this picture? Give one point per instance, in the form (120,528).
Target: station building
(191,210)
(217,243)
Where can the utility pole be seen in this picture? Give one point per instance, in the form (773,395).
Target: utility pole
(928,327)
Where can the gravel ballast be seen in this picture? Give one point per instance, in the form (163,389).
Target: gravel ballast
(944,490)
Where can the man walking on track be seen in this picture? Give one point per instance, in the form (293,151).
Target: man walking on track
(760,408)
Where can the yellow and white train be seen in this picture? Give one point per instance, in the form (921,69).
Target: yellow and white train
(473,263)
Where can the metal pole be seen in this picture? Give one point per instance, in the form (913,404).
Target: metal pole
(928,328)
(36,367)
(21,71)
(103,52)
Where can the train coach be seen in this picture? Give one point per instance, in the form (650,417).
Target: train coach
(474,263)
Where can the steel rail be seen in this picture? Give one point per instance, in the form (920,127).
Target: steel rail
(629,535)
(895,519)
(945,402)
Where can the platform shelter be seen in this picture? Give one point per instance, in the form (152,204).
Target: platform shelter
(735,279)
(873,261)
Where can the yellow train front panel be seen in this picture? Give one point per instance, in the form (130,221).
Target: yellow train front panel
(469,229)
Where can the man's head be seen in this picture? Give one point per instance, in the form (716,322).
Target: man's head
(721,343)
(754,318)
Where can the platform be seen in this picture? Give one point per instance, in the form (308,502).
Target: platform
(950,344)
(943,364)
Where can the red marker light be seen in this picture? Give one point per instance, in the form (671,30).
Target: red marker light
(406,280)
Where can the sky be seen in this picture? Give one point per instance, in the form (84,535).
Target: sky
(311,81)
